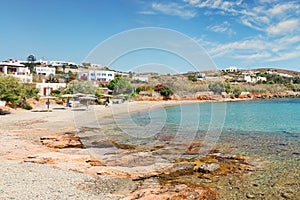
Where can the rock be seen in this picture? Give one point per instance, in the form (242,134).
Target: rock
(58,140)
(151,189)
(250,196)
(122,146)
(208,167)
(286,195)
(94,162)
(5,110)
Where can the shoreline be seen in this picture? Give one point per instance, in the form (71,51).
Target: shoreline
(22,131)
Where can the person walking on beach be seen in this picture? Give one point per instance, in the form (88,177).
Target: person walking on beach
(106,102)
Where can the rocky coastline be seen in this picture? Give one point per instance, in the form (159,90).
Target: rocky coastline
(116,169)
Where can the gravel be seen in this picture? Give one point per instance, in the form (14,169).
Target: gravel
(35,181)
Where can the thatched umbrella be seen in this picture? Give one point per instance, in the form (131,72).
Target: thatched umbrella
(87,99)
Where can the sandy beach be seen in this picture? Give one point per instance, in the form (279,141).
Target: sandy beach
(81,154)
(34,171)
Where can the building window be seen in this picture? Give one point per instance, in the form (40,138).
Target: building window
(103,74)
(109,75)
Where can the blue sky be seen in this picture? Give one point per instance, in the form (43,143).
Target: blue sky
(247,34)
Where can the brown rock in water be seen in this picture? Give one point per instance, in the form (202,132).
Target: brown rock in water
(209,167)
(151,189)
(58,140)
(122,146)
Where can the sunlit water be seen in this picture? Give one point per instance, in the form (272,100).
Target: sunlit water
(267,130)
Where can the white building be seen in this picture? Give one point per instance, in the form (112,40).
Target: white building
(46,88)
(231,69)
(250,78)
(56,63)
(143,78)
(16,70)
(200,76)
(102,76)
(95,65)
(46,71)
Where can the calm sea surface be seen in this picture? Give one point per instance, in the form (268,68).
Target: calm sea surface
(266,130)
(276,116)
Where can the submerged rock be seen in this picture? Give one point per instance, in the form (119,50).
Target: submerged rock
(208,167)
(151,189)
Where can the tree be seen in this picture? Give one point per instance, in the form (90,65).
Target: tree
(166,92)
(227,87)
(217,87)
(52,79)
(120,85)
(192,78)
(237,91)
(12,91)
(86,64)
(84,87)
(163,90)
(296,80)
(31,58)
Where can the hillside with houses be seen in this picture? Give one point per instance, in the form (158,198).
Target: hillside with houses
(58,78)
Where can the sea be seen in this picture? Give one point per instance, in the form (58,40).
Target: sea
(267,131)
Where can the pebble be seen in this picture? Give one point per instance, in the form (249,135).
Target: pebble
(250,196)
(36,181)
(286,195)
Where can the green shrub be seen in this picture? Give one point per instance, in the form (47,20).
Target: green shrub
(217,87)
(26,107)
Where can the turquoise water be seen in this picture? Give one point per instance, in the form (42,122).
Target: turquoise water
(280,115)
(266,131)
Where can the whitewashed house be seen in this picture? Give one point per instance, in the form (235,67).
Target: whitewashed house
(46,88)
(200,76)
(56,63)
(45,71)
(139,77)
(17,70)
(250,78)
(231,69)
(102,76)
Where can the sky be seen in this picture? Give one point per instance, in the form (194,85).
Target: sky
(243,33)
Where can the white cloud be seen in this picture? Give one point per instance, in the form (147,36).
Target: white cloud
(283,27)
(222,28)
(253,23)
(255,56)
(251,44)
(147,12)
(285,56)
(257,16)
(280,9)
(225,7)
(192,2)
(258,49)
(174,9)
(289,40)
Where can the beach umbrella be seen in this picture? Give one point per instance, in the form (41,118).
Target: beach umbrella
(48,100)
(87,99)
(107,96)
(68,96)
(79,95)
